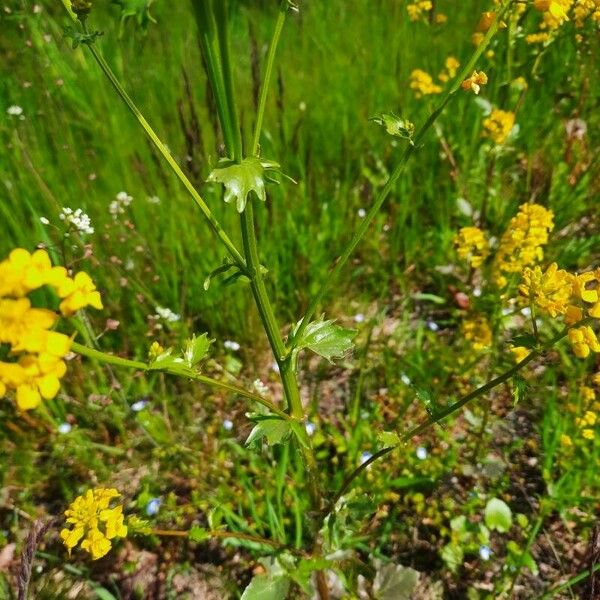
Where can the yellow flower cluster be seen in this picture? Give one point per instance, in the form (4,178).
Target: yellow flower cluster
(583,340)
(94,521)
(474,83)
(472,246)
(422,83)
(28,331)
(585,9)
(556,12)
(521,243)
(498,125)
(557,292)
(478,332)
(450,69)
(419,9)
(550,290)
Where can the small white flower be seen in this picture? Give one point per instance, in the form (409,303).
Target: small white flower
(64,428)
(433,326)
(118,206)
(167,314)
(477,292)
(362,213)
(231,345)
(129,264)
(139,405)
(44,221)
(310,428)
(421,453)
(274,367)
(227,425)
(526,312)
(14,111)
(261,388)
(485,552)
(405,379)
(364,457)
(153,200)
(124,198)
(359,318)
(78,219)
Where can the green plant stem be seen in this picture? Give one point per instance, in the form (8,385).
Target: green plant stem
(211,219)
(224,535)
(264,91)
(447,411)
(341,261)
(222,13)
(210,49)
(267,314)
(552,592)
(117,361)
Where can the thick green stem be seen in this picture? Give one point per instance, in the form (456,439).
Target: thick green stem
(267,314)
(341,261)
(117,361)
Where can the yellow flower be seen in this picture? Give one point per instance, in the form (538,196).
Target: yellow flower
(451,67)
(583,340)
(94,521)
(28,330)
(422,83)
(79,294)
(557,8)
(475,82)
(565,440)
(477,38)
(537,38)
(521,244)
(550,290)
(472,246)
(587,394)
(498,125)
(478,332)
(155,351)
(441,18)
(588,419)
(417,9)
(520,353)
(588,434)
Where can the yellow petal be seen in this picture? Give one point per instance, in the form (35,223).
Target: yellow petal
(28,397)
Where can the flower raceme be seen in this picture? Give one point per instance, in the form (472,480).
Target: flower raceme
(550,290)
(522,242)
(94,523)
(472,246)
(28,331)
(498,125)
(556,292)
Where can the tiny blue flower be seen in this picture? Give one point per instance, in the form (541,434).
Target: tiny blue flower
(310,428)
(227,425)
(485,552)
(364,457)
(153,506)
(421,453)
(64,428)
